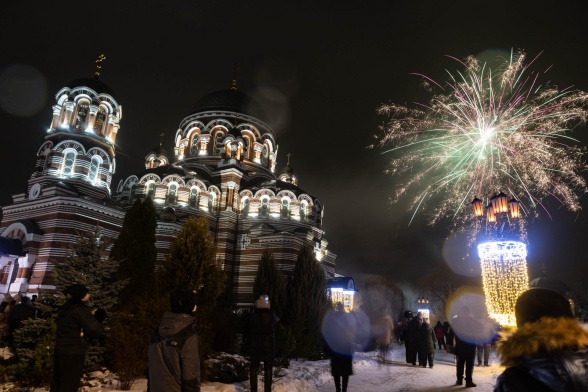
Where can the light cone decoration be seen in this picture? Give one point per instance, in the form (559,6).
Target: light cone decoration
(505,277)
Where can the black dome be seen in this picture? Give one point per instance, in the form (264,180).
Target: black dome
(550,283)
(93,83)
(230,100)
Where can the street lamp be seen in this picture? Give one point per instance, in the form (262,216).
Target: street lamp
(503,260)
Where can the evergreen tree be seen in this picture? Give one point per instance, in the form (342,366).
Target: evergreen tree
(191,263)
(191,252)
(269,280)
(135,250)
(87,262)
(137,316)
(307,304)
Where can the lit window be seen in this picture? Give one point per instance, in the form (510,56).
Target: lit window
(264,210)
(171,193)
(68,163)
(194,197)
(194,147)
(285,210)
(151,189)
(245,207)
(94,167)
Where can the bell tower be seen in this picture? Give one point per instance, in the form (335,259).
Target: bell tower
(79,147)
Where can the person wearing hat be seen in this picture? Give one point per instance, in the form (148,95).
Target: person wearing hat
(549,349)
(74,322)
(262,325)
(467,331)
(174,361)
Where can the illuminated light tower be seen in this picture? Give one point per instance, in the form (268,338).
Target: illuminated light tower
(503,260)
(424,307)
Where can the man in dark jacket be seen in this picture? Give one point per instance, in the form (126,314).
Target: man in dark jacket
(413,339)
(339,330)
(466,333)
(174,361)
(262,343)
(74,322)
(426,344)
(549,349)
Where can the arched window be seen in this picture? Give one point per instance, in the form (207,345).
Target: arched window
(194,197)
(285,208)
(194,149)
(264,155)
(69,159)
(218,142)
(245,207)
(100,120)
(172,191)
(151,189)
(212,202)
(303,210)
(94,168)
(264,209)
(82,115)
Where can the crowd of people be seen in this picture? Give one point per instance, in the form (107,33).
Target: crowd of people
(548,351)
(13,311)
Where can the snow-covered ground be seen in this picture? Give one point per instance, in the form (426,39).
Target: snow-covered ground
(370,375)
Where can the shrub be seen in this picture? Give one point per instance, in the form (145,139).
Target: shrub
(227,368)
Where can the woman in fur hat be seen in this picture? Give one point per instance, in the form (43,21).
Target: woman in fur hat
(549,349)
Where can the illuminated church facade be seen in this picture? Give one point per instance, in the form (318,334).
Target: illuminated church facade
(222,168)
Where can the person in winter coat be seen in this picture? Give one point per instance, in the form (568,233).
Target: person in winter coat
(466,331)
(413,338)
(383,331)
(339,329)
(549,349)
(174,359)
(263,343)
(440,335)
(426,344)
(25,310)
(404,335)
(449,337)
(74,323)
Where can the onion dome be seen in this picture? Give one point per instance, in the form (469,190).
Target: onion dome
(94,83)
(230,100)
(287,173)
(157,156)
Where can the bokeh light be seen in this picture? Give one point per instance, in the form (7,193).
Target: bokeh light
(23,90)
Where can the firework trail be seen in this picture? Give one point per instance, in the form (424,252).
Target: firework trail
(486,131)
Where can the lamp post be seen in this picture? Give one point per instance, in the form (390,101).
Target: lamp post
(503,260)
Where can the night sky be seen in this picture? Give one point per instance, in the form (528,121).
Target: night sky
(320,69)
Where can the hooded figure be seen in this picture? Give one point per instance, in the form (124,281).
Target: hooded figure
(549,349)
(74,323)
(263,343)
(174,361)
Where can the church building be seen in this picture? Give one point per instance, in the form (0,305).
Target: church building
(223,167)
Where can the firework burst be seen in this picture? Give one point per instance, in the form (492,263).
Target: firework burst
(487,131)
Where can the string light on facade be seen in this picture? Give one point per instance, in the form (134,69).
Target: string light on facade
(503,261)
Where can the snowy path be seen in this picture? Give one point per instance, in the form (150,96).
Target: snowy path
(398,376)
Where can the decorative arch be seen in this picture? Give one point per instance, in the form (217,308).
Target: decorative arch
(197,183)
(173,178)
(150,177)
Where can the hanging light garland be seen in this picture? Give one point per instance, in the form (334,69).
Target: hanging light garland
(503,261)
